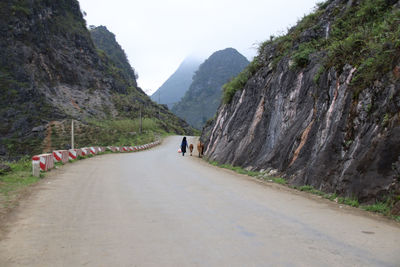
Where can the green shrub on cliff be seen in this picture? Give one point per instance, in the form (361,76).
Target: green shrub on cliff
(364,35)
(367,37)
(238,82)
(301,56)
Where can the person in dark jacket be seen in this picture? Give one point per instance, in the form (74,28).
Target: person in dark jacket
(184,145)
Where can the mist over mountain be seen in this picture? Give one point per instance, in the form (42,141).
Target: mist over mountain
(203,97)
(177,84)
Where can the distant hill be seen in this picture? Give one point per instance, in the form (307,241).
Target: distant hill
(176,86)
(204,95)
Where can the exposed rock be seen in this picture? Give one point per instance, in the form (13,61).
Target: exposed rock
(396,209)
(105,40)
(321,132)
(40,128)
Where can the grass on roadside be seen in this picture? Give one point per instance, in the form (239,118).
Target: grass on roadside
(380,207)
(108,132)
(235,169)
(312,190)
(13,182)
(383,208)
(278,180)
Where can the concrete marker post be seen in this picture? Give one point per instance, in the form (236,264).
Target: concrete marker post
(36,166)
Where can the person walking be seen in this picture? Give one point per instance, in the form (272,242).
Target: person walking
(184,145)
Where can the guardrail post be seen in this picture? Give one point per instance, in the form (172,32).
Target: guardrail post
(36,167)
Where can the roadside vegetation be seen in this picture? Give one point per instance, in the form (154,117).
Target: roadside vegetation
(364,35)
(121,132)
(13,182)
(110,132)
(383,208)
(237,83)
(125,132)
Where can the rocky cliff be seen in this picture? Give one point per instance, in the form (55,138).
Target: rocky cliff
(320,105)
(203,97)
(176,86)
(105,42)
(50,71)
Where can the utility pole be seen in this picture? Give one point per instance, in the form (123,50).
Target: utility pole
(140,114)
(72,134)
(159,103)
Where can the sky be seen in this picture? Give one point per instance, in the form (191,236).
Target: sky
(157,35)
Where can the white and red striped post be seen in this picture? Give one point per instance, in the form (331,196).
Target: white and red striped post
(74,153)
(61,156)
(112,148)
(85,151)
(43,162)
(93,151)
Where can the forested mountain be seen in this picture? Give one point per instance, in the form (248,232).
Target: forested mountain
(176,86)
(320,105)
(204,94)
(51,72)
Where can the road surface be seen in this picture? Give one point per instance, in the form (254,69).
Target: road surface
(158,208)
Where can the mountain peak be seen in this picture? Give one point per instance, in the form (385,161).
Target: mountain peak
(204,95)
(178,83)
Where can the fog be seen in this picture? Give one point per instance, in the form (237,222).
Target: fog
(158,34)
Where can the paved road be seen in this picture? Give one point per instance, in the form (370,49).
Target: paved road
(157,208)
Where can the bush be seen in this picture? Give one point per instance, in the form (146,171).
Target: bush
(367,38)
(279,180)
(318,74)
(301,56)
(348,201)
(379,207)
(306,188)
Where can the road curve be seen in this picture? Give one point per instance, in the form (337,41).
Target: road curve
(158,208)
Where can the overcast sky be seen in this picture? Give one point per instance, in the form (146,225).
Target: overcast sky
(158,34)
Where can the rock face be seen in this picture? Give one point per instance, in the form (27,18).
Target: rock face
(50,70)
(176,86)
(105,41)
(311,122)
(202,99)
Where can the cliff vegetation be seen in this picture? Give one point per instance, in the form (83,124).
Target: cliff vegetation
(320,105)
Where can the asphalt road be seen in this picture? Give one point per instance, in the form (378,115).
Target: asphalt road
(158,208)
